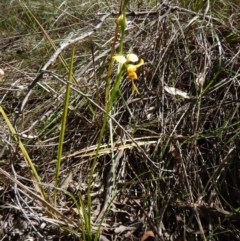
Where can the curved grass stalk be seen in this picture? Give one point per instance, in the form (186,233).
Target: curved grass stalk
(37,181)
(63,127)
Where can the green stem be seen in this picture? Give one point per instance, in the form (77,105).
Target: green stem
(63,127)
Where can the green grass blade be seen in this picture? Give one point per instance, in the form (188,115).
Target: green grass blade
(63,126)
(25,153)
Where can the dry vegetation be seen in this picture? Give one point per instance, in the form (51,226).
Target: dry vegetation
(169,161)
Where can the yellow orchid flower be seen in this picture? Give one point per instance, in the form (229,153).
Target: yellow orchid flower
(131,68)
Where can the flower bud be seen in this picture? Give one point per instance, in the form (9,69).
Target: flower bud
(122,21)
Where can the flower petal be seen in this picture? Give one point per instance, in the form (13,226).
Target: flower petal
(140,63)
(132,58)
(132,75)
(131,67)
(134,88)
(120,58)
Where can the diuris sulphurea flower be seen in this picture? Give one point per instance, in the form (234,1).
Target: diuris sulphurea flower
(130,68)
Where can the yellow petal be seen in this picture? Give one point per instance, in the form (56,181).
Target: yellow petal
(132,75)
(131,67)
(134,88)
(140,63)
(120,58)
(132,57)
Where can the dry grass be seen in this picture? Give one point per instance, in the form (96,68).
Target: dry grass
(174,166)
